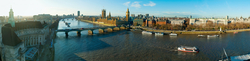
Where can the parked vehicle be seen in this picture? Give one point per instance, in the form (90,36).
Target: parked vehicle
(173,34)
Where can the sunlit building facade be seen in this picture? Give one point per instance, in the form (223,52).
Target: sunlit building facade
(112,21)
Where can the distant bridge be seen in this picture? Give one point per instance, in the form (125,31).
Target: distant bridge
(90,32)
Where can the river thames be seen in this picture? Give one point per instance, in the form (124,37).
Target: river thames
(133,45)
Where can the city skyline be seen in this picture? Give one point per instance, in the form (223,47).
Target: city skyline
(160,8)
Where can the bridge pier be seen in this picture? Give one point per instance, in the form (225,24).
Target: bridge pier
(116,28)
(122,28)
(101,30)
(66,34)
(90,32)
(78,33)
(110,30)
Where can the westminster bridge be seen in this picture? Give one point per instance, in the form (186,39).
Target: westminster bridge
(71,26)
(90,30)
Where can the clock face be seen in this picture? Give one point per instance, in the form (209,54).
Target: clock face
(127,13)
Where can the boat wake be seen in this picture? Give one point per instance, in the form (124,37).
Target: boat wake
(166,48)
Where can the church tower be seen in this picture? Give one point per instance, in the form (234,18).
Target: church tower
(11,18)
(109,17)
(127,15)
(103,13)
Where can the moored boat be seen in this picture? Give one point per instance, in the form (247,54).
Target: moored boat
(212,35)
(173,34)
(146,32)
(187,49)
(159,34)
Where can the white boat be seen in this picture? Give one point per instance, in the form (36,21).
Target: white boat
(187,49)
(173,34)
(159,34)
(212,35)
(146,32)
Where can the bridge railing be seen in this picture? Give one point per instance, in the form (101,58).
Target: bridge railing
(78,29)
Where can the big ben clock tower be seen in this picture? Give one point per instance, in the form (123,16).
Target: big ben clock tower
(127,15)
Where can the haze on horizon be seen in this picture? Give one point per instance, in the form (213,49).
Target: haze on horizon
(169,8)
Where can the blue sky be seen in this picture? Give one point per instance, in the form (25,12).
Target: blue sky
(167,8)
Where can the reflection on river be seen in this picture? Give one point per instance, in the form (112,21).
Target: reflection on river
(132,45)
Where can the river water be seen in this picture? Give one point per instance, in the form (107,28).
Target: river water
(133,45)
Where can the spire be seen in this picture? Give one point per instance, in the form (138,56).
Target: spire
(11,13)
(127,10)
(109,17)
(11,18)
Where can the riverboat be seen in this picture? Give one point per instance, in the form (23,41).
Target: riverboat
(173,34)
(212,35)
(146,32)
(187,49)
(159,33)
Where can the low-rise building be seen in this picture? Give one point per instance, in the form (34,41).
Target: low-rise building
(204,21)
(161,22)
(177,21)
(242,20)
(139,21)
(150,22)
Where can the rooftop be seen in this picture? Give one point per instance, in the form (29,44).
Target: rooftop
(9,36)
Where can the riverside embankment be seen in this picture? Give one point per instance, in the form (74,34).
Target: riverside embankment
(172,31)
(190,32)
(95,22)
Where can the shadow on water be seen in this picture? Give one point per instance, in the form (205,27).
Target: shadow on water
(66,47)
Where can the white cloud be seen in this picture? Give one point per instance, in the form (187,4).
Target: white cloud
(136,4)
(150,4)
(126,3)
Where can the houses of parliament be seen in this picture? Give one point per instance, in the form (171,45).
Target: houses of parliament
(112,20)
